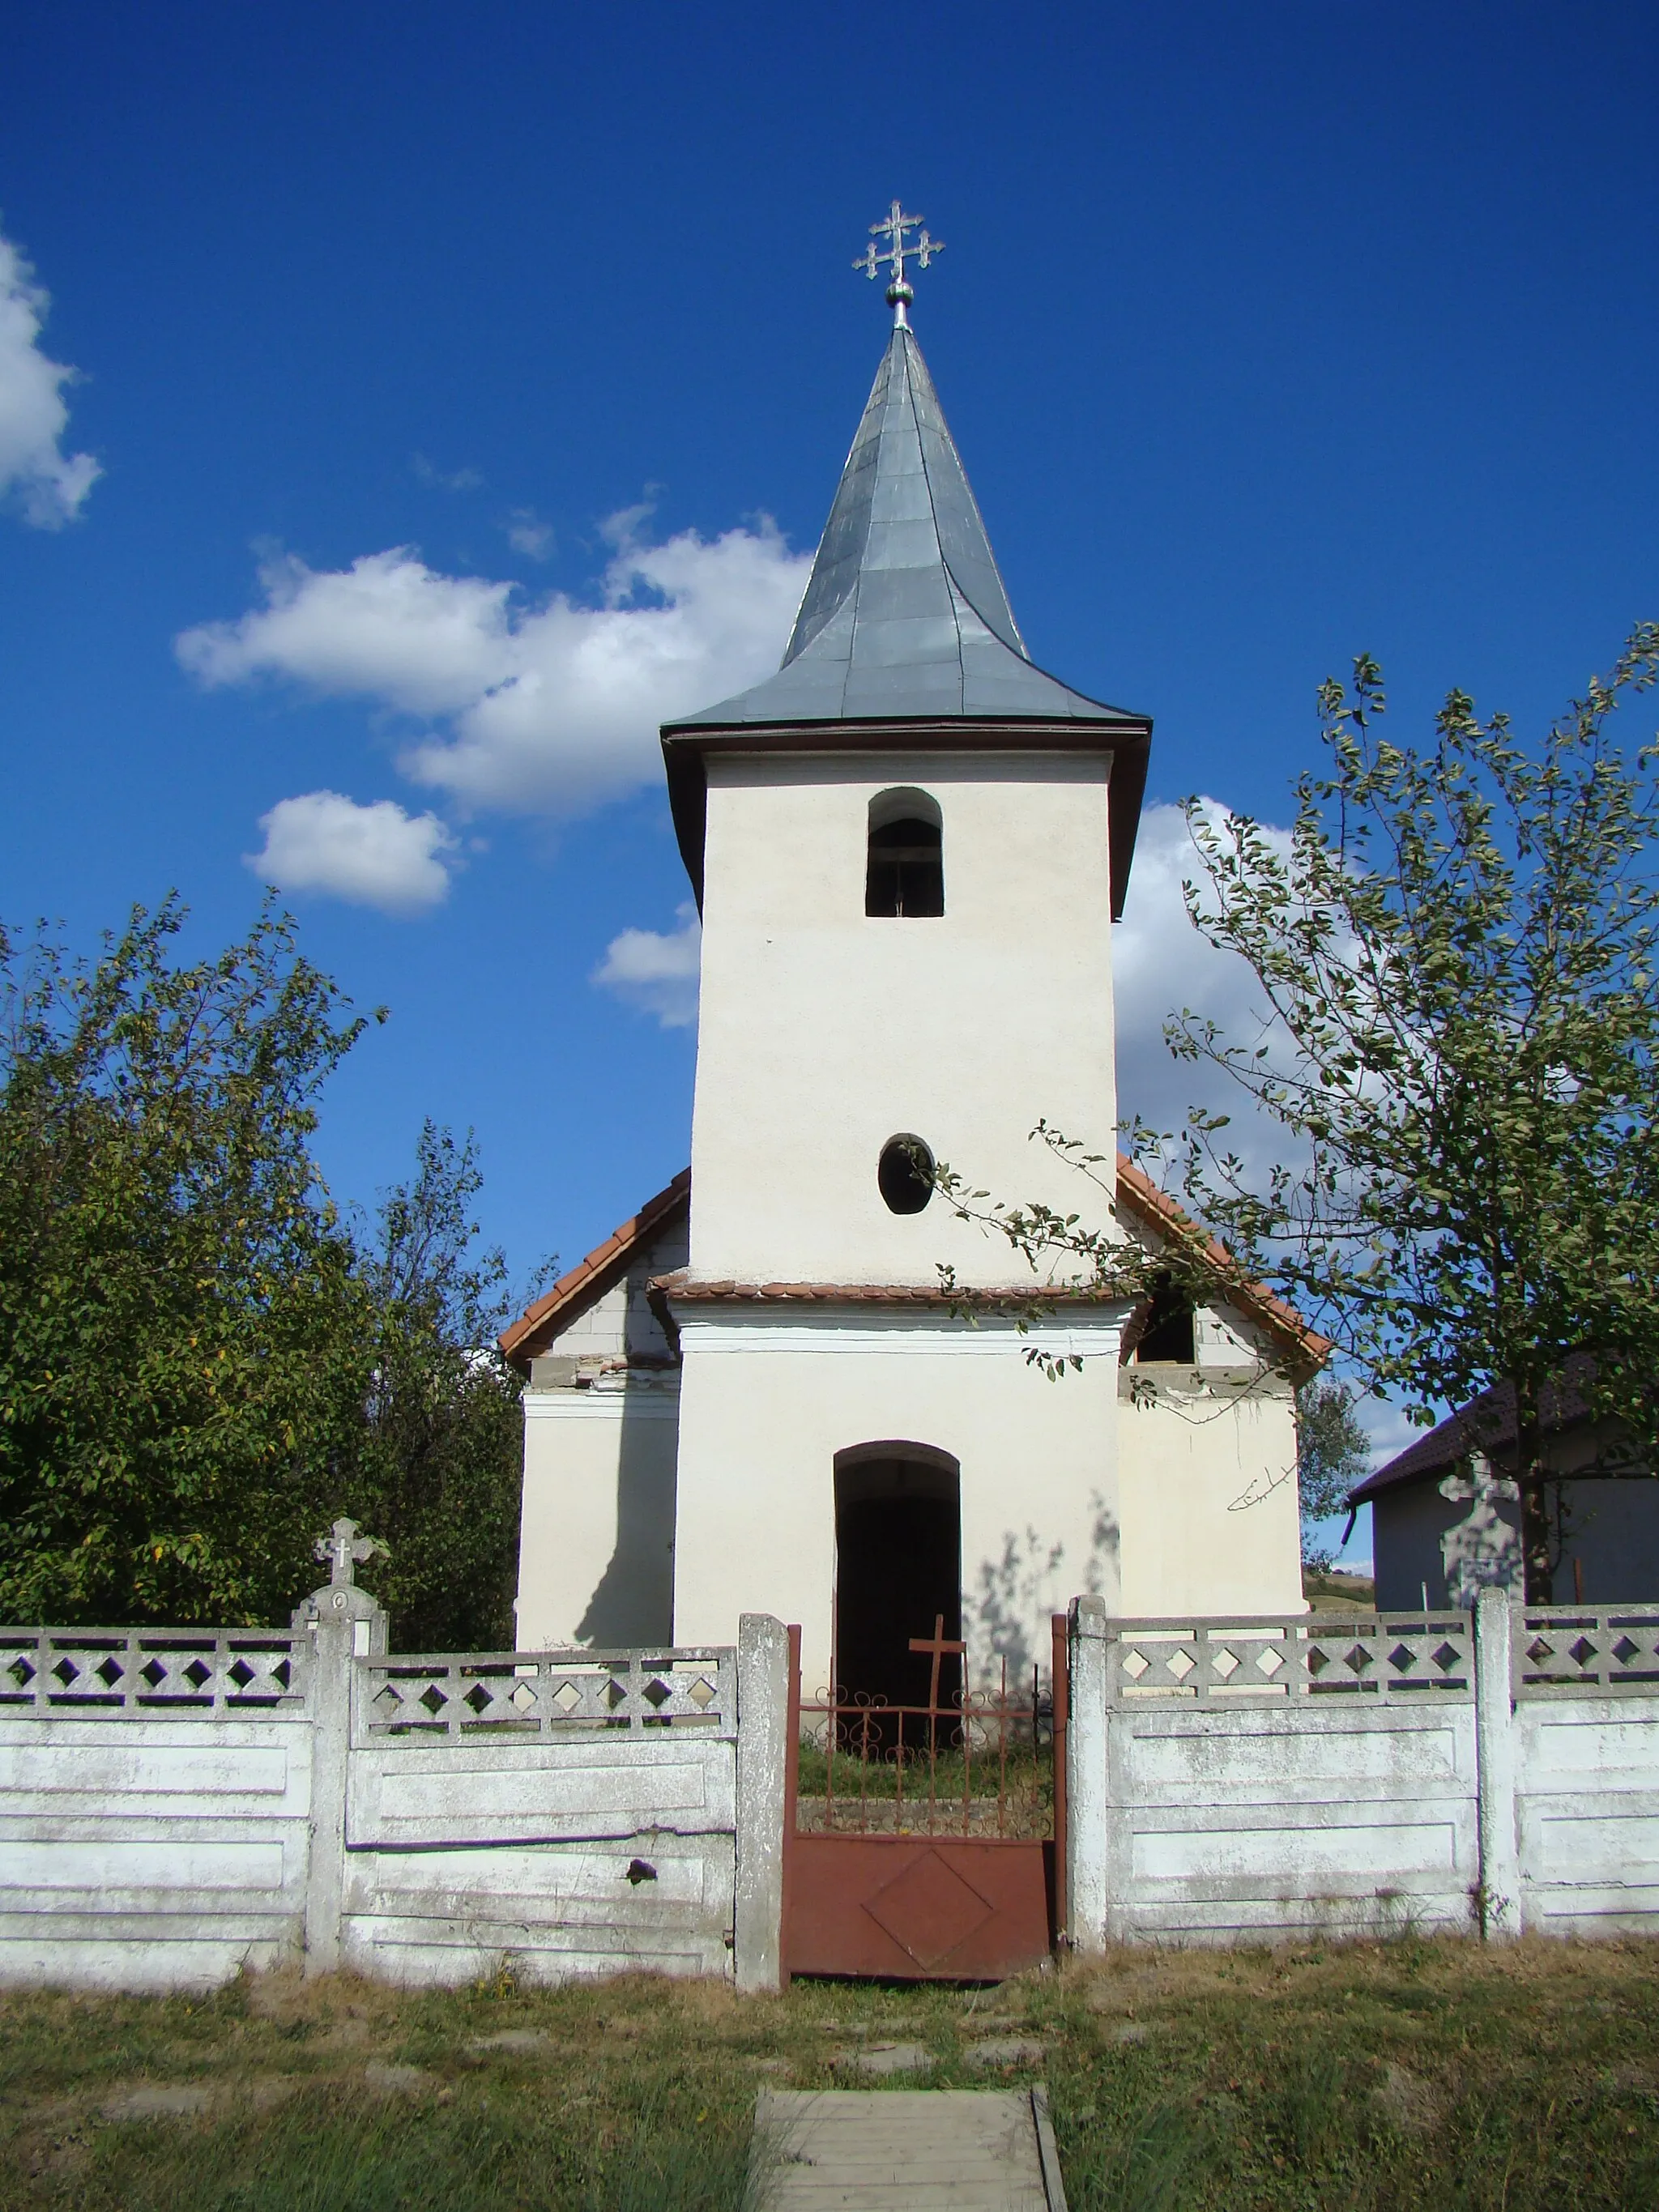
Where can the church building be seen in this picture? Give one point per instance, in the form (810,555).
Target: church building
(909,848)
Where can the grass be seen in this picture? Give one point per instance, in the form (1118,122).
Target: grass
(1380,2077)
(992,1791)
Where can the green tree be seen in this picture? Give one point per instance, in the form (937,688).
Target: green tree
(200,1364)
(438,1461)
(1460,956)
(1332,1454)
(181,1324)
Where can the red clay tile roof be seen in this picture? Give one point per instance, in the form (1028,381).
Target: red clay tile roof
(702,1291)
(1137,1190)
(530,1334)
(590,1277)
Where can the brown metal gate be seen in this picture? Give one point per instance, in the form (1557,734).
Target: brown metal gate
(925,1843)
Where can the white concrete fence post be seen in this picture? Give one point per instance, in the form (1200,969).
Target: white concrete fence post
(1498,1898)
(763,1728)
(344,1623)
(1087,1824)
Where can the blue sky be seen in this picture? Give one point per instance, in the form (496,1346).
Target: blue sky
(466,386)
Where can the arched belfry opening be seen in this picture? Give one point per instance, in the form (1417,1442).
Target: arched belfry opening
(898,1570)
(904,871)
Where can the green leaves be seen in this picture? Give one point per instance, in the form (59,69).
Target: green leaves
(1458,957)
(1331,1456)
(189,1338)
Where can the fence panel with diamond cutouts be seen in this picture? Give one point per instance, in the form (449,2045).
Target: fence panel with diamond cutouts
(550,1695)
(133,1670)
(1268,1778)
(165,1807)
(1585,1685)
(1263,1778)
(574,1810)
(1607,1652)
(175,1805)
(156,1794)
(1228,1662)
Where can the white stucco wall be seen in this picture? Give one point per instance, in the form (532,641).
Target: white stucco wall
(1206,1485)
(825,1032)
(596,1527)
(768,1398)
(596,1530)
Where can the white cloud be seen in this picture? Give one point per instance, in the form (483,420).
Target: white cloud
(527,536)
(456,480)
(375,855)
(34,467)
(657,973)
(546,708)
(388,626)
(1161,964)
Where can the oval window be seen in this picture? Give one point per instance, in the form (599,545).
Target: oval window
(904,1174)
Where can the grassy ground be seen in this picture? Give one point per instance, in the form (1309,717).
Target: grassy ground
(1008,1792)
(1382,2078)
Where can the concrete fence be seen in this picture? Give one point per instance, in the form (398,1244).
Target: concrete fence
(1253,1780)
(174,1805)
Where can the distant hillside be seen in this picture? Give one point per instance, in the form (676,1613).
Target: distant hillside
(1337,1593)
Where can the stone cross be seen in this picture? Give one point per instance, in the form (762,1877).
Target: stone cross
(1483,1550)
(344,1551)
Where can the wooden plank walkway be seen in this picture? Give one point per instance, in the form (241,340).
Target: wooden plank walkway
(907,2150)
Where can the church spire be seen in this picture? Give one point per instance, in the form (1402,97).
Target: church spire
(905,621)
(905,616)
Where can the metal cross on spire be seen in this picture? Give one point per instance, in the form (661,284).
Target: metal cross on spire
(893,255)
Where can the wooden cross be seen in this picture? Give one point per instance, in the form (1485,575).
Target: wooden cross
(939,1643)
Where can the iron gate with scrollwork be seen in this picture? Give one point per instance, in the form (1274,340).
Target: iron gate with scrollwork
(926,1842)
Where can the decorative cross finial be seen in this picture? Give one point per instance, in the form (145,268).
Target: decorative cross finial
(345,1551)
(892,226)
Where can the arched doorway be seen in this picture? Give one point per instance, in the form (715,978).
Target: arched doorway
(898,1569)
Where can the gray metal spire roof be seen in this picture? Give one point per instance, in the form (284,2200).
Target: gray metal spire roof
(905,616)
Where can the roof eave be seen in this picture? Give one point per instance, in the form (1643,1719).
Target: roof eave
(1305,1350)
(524,1340)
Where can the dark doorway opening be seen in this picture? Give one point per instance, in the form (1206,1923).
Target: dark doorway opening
(1168,1331)
(898,1569)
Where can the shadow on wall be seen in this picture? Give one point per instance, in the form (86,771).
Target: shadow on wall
(1019,1591)
(633,1601)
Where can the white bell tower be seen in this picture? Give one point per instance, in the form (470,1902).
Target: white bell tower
(908,847)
